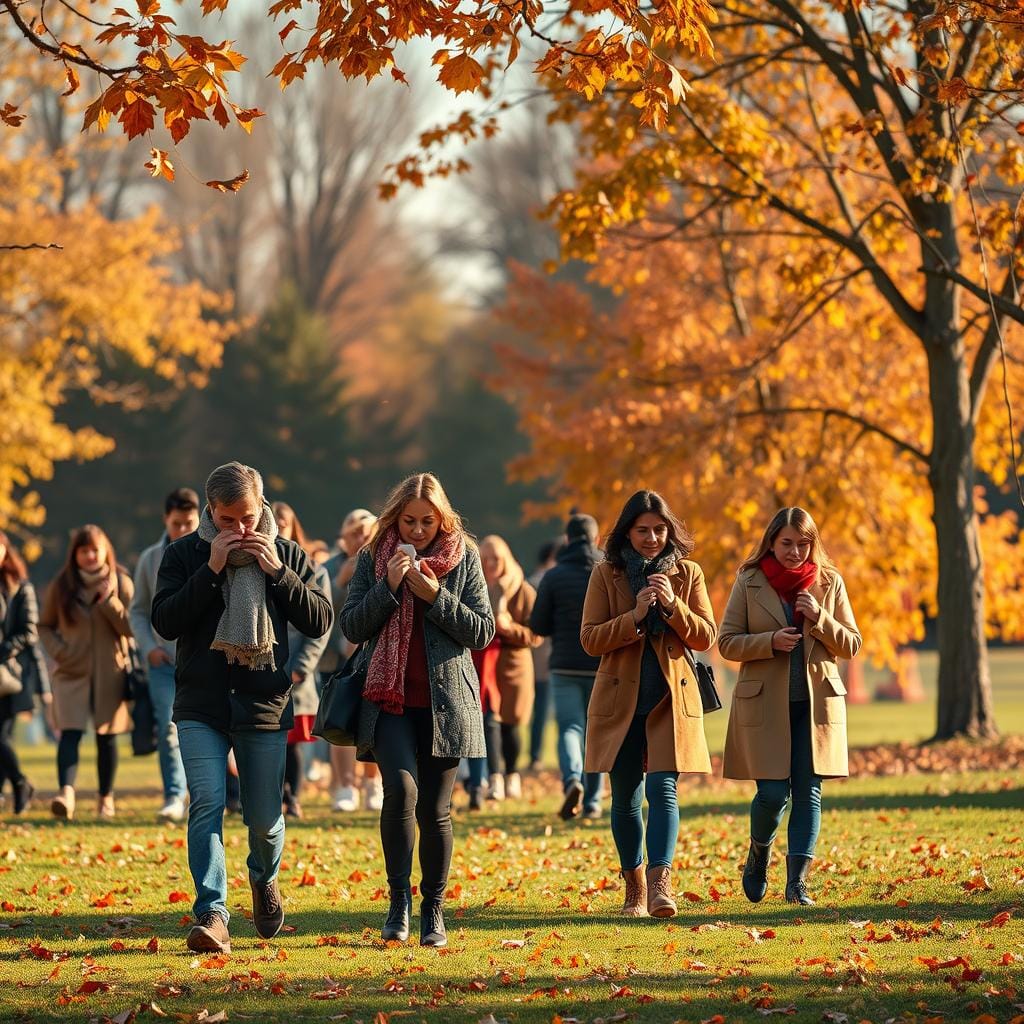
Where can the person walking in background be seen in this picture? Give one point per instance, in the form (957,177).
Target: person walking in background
(418,614)
(787,622)
(227,595)
(303,655)
(181,517)
(511,600)
(85,629)
(646,602)
(542,702)
(19,637)
(357,531)
(558,614)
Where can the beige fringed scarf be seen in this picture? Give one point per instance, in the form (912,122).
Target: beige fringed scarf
(245,633)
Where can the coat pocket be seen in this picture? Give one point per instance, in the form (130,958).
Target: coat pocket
(748,698)
(833,684)
(605,695)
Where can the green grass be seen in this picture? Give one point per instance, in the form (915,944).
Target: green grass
(894,852)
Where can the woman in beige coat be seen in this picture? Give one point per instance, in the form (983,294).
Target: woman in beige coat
(646,603)
(84,628)
(787,622)
(512,599)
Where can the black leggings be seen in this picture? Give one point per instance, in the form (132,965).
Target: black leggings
(293,769)
(67,759)
(10,768)
(417,789)
(504,743)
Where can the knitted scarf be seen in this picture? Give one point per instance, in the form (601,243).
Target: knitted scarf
(92,582)
(245,633)
(787,583)
(385,676)
(638,569)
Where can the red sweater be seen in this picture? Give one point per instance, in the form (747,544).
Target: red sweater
(417,671)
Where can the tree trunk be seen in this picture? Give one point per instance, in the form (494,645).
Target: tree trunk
(965,691)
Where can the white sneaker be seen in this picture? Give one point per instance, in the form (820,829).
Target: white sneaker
(497,787)
(514,786)
(173,810)
(345,800)
(316,771)
(373,794)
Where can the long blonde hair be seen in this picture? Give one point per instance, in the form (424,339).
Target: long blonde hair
(419,485)
(801,521)
(512,576)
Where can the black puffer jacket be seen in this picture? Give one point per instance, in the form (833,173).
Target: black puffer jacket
(187,607)
(558,610)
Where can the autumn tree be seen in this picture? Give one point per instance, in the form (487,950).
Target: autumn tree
(818,258)
(71,317)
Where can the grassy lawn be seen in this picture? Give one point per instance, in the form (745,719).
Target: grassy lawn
(914,873)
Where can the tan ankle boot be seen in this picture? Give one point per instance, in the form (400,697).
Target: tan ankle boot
(635,904)
(660,901)
(63,804)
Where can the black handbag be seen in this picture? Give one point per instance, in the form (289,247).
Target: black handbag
(705,674)
(136,687)
(337,717)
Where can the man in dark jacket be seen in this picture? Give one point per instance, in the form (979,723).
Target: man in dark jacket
(558,613)
(227,594)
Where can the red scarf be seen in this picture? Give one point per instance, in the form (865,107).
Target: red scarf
(787,583)
(385,677)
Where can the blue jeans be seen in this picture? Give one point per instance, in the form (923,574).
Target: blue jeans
(541,713)
(260,756)
(769,805)
(172,772)
(572,697)
(628,789)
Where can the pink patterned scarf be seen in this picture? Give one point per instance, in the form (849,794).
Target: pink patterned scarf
(385,678)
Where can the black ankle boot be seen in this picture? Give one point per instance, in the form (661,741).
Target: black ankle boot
(396,927)
(755,871)
(432,931)
(797,867)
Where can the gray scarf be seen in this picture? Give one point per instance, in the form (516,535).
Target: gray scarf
(639,568)
(245,633)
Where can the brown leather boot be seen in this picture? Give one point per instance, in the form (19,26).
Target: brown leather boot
(209,934)
(660,901)
(267,912)
(635,904)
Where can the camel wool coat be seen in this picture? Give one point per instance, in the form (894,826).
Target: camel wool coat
(675,728)
(757,744)
(91,655)
(514,669)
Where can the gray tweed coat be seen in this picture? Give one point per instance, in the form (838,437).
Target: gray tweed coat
(459,620)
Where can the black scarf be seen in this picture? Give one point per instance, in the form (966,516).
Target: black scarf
(638,569)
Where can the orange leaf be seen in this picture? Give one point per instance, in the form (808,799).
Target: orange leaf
(461,74)
(177,897)
(232,184)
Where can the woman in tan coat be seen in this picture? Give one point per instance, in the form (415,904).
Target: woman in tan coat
(645,605)
(787,622)
(84,628)
(512,599)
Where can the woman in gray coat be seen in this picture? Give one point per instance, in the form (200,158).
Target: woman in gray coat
(418,603)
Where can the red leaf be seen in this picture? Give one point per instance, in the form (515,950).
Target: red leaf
(177,897)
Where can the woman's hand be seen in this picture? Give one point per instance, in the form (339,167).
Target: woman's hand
(784,640)
(423,583)
(265,550)
(503,622)
(644,599)
(807,603)
(221,546)
(663,592)
(399,565)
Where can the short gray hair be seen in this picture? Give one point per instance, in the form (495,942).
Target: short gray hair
(232,482)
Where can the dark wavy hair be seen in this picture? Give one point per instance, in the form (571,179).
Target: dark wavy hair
(615,544)
(12,568)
